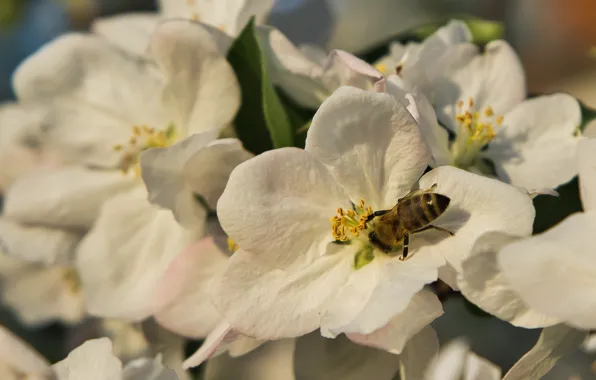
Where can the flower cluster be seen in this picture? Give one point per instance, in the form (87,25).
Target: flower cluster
(176,190)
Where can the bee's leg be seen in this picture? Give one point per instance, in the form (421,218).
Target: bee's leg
(376,213)
(431,227)
(404,251)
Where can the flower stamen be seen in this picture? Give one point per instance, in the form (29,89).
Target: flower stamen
(347,224)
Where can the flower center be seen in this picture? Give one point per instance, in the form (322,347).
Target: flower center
(476,128)
(142,139)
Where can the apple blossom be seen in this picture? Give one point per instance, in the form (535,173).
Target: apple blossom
(19,361)
(291,275)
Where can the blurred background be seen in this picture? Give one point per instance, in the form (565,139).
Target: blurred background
(556,40)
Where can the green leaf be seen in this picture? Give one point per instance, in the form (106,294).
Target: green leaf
(551,210)
(262,122)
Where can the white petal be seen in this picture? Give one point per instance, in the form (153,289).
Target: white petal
(20,356)
(536,145)
(68,197)
(482,282)
(371,144)
(479,368)
(554,343)
(201,92)
(590,129)
(450,363)
(78,65)
(494,78)
(123,257)
(292,70)
(93,360)
(130,31)
(185,290)
(555,272)
(320,358)
(418,354)
(345,69)
(586,155)
(210,345)
(174,175)
(273,361)
(478,205)
(37,244)
(278,205)
(147,369)
(421,311)
(40,295)
(266,302)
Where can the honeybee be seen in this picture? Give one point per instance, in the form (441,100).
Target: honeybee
(412,214)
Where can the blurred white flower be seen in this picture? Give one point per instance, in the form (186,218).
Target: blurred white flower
(291,276)
(531,143)
(456,361)
(224,19)
(555,271)
(20,361)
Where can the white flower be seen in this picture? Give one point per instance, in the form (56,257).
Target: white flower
(291,276)
(222,18)
(456,361)
(20,361)
(531,143)
(555,272)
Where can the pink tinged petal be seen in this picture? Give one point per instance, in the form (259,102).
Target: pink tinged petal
(264,301)
(554,343)
(273,361)
(318,358)
(184,299)
(279,204)
(536,145)
(420,351)
(37,244)
(201,91)
(421,311)
(586,155)
(40,295)
(478,205)
(209,347)
(370,143)
(70,197)
(18,355)
(494,78)
(555,272)
(122,259)
(483,283)
(93,360)
(377,293)
(131,31)
(168,183)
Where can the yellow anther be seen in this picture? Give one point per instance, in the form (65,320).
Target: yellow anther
(381,67)
(361,204)
(351,213)
(499,120)
(350,221)
(471,102)
(460,104)
(488,111)
(232,246)
(118,147)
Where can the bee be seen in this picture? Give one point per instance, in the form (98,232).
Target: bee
(412,214)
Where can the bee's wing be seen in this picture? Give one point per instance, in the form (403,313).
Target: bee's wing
(416,192)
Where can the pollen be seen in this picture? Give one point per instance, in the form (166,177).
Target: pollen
(143,138)
(348,224)
(381,67)
(232,246)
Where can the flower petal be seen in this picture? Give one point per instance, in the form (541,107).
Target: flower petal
(264,301)
(494,78)
(92,360)
(273,361)
(148,369)
(317,358)
(210,345)
(555,272)
(40,295)
(586,155)
(122,258)
(482,282)
(37,244)
(590,129)
(201,91)
(196,165)
(371,144)
(344,69)
(184,295)
(418,353)
(554,343)
(130,31)
(478,205)
(423,308)
(21,356)
(479,368)
(536,145)
(68,197)
(278,205)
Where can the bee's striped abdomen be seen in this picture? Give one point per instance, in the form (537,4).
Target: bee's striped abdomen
(420,210)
